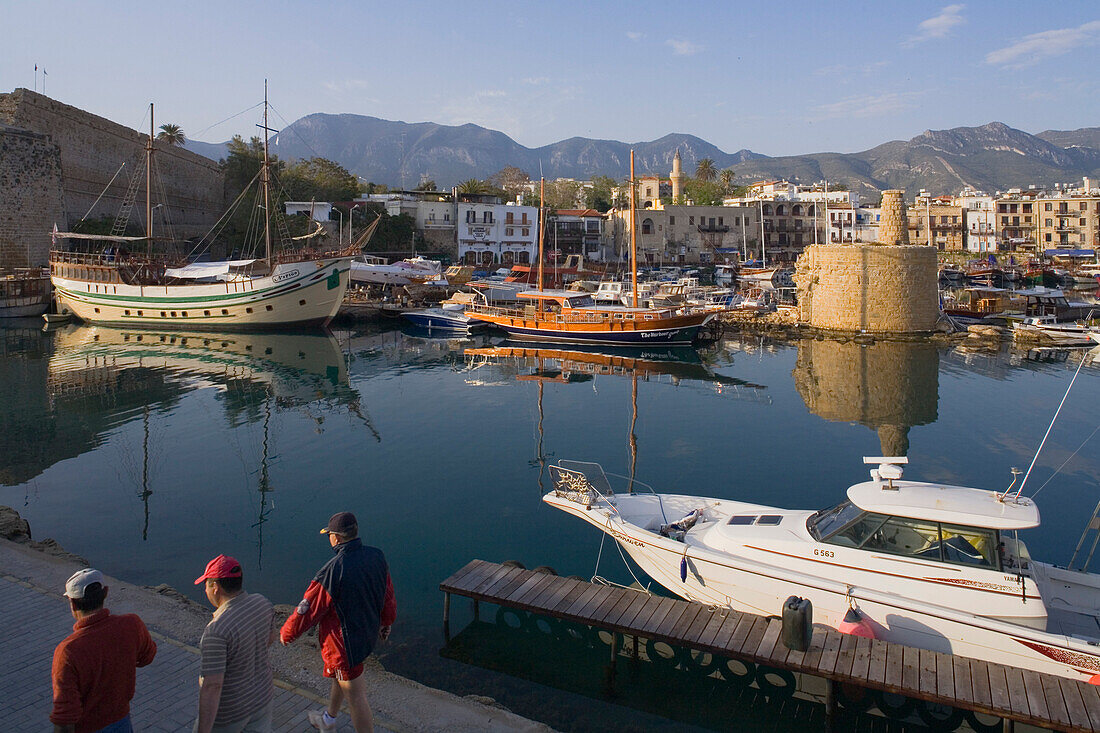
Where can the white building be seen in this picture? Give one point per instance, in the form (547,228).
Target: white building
(496,234)
(317,210)
(979,220)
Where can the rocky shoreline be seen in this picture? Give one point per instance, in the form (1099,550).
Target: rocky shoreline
(400,704)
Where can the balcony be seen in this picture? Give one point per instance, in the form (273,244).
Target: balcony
(712,228)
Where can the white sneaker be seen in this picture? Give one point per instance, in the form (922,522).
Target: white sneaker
(317,720)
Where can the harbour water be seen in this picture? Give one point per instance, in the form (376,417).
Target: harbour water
(151,452)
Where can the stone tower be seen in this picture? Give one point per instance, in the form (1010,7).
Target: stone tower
(894,228)
(677,177)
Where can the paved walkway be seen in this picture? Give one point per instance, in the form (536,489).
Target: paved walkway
(167,690)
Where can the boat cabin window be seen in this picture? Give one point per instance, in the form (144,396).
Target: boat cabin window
(849,526)
(585,302)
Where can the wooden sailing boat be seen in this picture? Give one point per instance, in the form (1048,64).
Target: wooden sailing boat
(575,317)
(119,285)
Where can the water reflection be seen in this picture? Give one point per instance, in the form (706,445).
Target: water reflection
(886,386)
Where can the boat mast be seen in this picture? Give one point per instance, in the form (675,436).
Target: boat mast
(148,186)
(266,179)
(542,226)
(633,233)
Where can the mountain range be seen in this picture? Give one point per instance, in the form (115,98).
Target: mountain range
(991,157)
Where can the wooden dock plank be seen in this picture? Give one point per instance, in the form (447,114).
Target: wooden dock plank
(643,612)
(538,600)
(997,684)
(910,668)
(927,684)
(945,676)
(964,691)
(614,598)
(1090,696)
(1017,694)
(813,654)
(495,581)
(752,640)
(629,599)
(455,581)
(829,652)
(862,662)
(584,611)
(1075,705)
(470,580)
(555,593)
(580,601)
(846,656)
(691,633)
(710,631)
(730,620)
(502,587)
(740,633)
(1052,694)
(677,630)
(670,621)
(568,599)
(768,640)
(876,665)
(1033,689)
(535,582)
(666,607)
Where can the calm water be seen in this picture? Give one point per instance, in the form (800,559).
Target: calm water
(149,453)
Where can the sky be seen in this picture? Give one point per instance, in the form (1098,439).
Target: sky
(776,78)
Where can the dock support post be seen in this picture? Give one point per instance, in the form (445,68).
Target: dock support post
(447,616)
(477,611)
(1009,726)
(830,705)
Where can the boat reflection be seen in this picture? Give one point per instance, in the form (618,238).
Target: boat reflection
(888,386)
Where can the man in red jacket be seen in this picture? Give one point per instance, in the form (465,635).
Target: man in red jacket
(95,667)
(351,597)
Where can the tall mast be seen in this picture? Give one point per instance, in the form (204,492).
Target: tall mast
(542,226)
(633,233)
(148,184)
(266,178)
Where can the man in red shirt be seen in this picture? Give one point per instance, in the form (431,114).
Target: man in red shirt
(95,667)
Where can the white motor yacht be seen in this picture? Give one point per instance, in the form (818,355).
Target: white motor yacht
(927,565)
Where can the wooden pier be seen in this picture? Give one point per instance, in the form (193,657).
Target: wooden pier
(966,684)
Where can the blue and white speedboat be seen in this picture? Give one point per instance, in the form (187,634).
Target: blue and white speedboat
(444,319)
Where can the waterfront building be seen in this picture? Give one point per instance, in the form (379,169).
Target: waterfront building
(316,210)
(1069,219)
(939,214)
(1015,220)
(575,232)
(687,234)
(979,220)
(868,220)
(492,233)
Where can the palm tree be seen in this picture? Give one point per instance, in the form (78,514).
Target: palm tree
(171,134)
(726,177)
(705,170)
(471,186)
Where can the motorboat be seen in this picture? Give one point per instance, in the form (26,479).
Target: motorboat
(411,271)
(925,564)
(449,315)
(1048,326)
(609,291)
(25,292)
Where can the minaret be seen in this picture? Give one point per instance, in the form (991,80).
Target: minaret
(677,179)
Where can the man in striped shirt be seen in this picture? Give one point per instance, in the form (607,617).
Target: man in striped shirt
(235,690)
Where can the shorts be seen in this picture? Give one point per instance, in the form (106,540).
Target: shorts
(343,674)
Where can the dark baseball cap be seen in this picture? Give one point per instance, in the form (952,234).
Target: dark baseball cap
(341,523)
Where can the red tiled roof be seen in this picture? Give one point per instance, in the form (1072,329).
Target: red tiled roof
(580,212)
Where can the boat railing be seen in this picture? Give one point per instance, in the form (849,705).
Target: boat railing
(585,482)
(583,315)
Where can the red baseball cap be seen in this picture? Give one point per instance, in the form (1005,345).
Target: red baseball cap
(221,566)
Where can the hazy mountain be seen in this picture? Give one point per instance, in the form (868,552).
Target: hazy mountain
(991,157)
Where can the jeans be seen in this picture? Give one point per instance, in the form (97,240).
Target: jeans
(258,722)
(119,726)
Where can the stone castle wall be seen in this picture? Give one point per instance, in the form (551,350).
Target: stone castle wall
(92,148)
(868,288)
(894,227)
(31,200)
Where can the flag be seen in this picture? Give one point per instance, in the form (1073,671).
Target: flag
(53,235)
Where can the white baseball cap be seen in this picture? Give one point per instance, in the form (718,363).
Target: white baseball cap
(80,580)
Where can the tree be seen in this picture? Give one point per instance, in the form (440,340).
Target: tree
(240,167)
(703,193)
(472,186)
(510,179)
(319,179)
(726,177)
(426,184)
(601,196)
(705,170)
(171,135)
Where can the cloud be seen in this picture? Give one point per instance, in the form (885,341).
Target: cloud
(536,80)
(683,48)
(864,106)
(1039,46)
(635,35)
(938,26)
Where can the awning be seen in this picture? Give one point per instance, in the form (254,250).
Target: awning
(201,270)
(1069,253)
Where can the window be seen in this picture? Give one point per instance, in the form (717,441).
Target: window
(720,222)
(1081,222)
(247,310)
(672,221)
(507,232)
(269,308)
(1047,207)
(647,226)
(206,313)
(301,302)
(225,312)
(1046,237)
(691,220)
(1083,206)
(1049,222)
(1027,208)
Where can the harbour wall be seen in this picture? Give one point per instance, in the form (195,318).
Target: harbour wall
(868,288)
(31,198)
(91,150)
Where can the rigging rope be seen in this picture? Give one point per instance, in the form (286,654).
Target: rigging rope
(1049,428)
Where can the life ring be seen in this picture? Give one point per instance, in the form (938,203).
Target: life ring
(537,624)
(545,569)
(738,672)
(940,717)
(765,680)
(894,706)
(653,653)
(704,664)
(855,698)
(514,564)
(982,727)
(502,618)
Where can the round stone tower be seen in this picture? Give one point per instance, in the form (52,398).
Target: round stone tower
(894,227)
(677,177)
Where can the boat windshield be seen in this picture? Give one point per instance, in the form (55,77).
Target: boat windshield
(828,521)
(581,302)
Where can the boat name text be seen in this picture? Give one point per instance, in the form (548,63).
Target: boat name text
(284,276)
